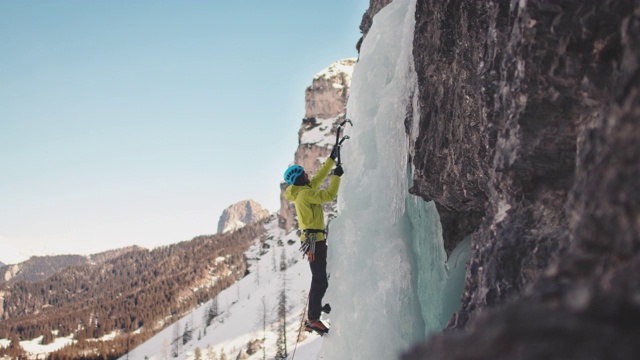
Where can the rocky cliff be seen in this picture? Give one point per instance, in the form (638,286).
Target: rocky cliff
(240,214)
(325,102)
(529,142)
(367,18)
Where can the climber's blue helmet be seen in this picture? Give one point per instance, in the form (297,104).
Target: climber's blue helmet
(292,173)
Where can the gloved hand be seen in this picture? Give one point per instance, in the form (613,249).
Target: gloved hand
(338,171)
(334,153)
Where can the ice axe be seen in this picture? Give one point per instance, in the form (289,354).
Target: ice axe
(340,141)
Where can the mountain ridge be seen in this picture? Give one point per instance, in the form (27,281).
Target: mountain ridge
(38,268)
(140,289)
(240,214)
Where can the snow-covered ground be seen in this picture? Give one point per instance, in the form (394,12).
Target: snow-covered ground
(320,135)
(38,351)
(240,306)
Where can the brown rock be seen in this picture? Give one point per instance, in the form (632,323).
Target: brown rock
(325,102)
(240,214)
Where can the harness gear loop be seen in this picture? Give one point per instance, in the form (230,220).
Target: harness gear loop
(308,246)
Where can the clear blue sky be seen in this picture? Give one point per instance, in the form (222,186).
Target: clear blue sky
(138,122)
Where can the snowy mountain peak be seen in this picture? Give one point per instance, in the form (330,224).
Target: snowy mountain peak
(240,214)
(339,68)
(327,95)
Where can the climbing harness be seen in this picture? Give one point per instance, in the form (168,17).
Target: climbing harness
(308,246)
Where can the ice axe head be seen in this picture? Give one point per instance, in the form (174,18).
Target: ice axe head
(346,121)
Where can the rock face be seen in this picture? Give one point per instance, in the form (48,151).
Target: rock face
(325,102)
(240,214)
(10,272)
(530,142)
(327,96)
(367,18)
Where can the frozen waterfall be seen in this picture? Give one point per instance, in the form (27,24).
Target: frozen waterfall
(388,281)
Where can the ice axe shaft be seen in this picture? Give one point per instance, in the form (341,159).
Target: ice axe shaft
(340,141)
(342,124)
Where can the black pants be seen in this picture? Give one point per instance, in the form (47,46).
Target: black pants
(319,281)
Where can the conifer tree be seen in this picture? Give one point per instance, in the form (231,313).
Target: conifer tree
(47,338)
(212,312)
(262,311)
(257,278)
(211,353)
(186,334)
(175,342)
(283,260)
(164,350)
(282,321)
(14,350)
(273,259)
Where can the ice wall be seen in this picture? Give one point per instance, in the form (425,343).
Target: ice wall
(386,257)
(430,258)
(456,271)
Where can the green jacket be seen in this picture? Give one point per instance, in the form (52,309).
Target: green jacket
(308,198)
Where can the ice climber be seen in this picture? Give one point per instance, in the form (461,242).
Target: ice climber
(308,199)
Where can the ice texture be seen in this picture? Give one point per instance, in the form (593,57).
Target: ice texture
(389,284)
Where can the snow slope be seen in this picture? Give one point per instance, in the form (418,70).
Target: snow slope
(240,320)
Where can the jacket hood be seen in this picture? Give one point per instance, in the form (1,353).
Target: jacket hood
(292,192)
